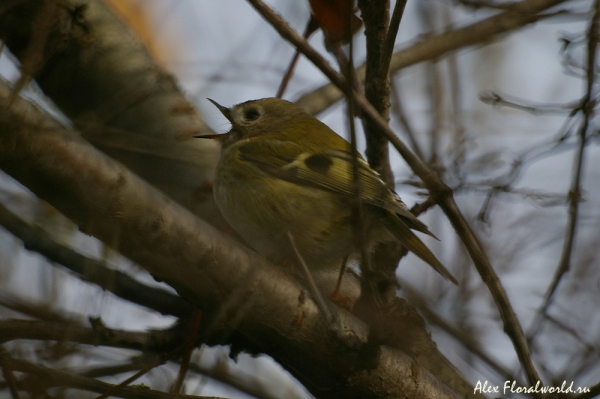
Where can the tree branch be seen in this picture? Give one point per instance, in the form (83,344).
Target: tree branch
(377,86)
(65,331)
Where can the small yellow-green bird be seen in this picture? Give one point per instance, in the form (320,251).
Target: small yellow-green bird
(282,170)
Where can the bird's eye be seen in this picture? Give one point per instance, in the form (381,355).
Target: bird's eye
(251,114)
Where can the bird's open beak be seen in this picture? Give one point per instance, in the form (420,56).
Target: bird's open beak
(227,113)
(224,110)
(218,137)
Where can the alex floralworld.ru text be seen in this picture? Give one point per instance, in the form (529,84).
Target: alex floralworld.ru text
(511,387)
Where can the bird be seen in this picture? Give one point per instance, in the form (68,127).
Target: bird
(282,171)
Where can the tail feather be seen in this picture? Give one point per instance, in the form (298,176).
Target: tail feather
(416,246)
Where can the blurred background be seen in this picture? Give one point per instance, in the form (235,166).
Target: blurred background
(498,120)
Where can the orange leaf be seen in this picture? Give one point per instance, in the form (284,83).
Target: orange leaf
(336,18)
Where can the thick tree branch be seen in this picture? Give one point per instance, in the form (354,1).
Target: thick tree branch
(377,86)
(384,261)
(119,98)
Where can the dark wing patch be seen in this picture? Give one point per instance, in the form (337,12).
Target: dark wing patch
(319,163)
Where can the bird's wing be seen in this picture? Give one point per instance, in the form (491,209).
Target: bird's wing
(329,170)
(333,171)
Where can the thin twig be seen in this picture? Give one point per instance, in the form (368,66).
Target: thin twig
(246,382)
(500,100)
(436,99)
(458,143)
(438,189)
(187,353)
(114,390)
(338,285)
(476,4)
(390,40)
(162,359)
(434,87)
(288,75)
(360,237)
(485,206)
(572,331)
(403,120)
(311,27)
(9,377)
(423,207)
(316,293)
(111,370)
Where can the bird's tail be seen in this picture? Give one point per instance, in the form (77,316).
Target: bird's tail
(415,245)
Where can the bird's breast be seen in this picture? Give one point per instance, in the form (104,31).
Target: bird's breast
(263,208)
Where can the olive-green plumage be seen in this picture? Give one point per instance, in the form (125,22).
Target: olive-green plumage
(283,170)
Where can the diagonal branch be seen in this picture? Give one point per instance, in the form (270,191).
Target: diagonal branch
(390,39)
